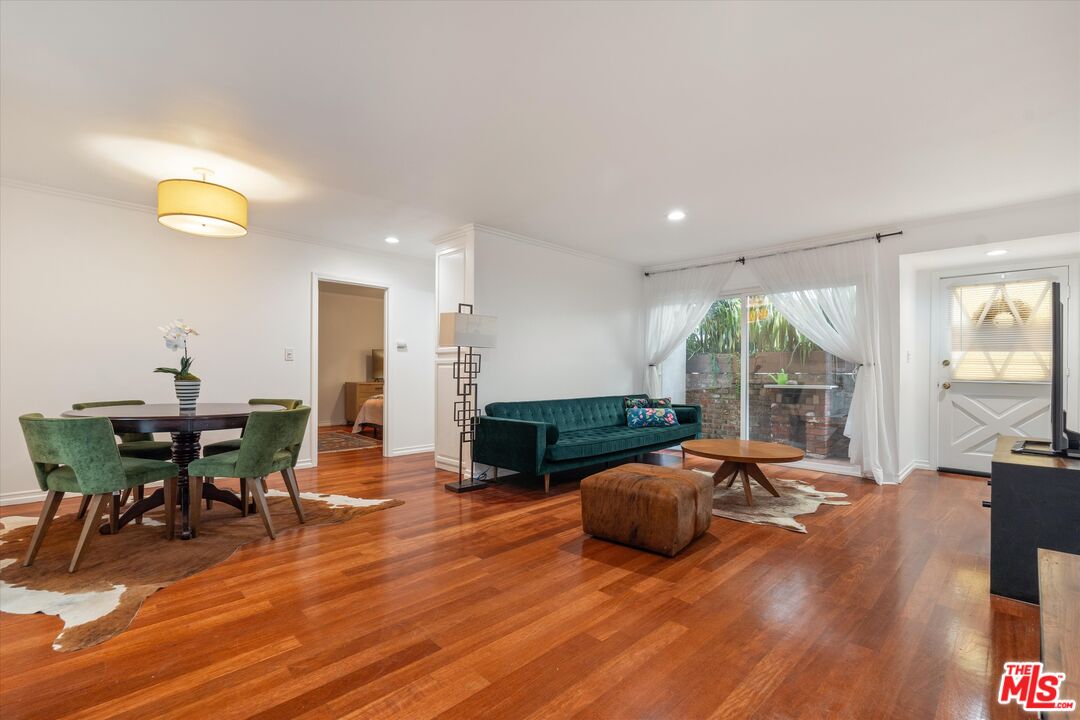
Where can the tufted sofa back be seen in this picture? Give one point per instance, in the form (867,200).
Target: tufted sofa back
(571,414)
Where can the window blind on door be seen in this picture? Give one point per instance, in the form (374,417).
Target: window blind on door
(1001,331)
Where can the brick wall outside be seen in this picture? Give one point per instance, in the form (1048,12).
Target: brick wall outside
(811,419)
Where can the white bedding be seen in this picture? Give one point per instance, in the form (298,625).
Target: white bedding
(371,413)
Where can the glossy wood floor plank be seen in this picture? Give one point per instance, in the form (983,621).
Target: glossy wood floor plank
(494,604)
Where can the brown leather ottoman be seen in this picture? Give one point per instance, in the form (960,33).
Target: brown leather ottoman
(651,507)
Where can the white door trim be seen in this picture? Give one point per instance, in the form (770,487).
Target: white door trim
(1072,339)
(388,415)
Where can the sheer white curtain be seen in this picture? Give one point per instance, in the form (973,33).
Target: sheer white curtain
(832,296)
(675,304)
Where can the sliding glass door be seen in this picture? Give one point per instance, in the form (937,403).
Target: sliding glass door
(757,377)
(714,369)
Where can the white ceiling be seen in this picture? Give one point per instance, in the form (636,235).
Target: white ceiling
(575,123)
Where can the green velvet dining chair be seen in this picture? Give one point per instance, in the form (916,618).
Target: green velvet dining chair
(132,444)
(271,443)
(79,455)
(224,446)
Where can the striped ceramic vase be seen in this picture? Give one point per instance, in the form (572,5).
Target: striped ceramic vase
(187,393)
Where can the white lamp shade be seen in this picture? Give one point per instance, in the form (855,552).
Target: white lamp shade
(463,330)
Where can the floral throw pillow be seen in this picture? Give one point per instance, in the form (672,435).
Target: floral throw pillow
(659,402)
(650,417)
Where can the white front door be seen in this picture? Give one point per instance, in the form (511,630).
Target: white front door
(992,364)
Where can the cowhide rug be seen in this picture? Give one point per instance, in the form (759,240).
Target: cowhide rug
(796,498)
(120,571)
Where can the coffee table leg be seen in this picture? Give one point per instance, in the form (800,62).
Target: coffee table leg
(734,475)
(746,485)
(726,470)
(755,472)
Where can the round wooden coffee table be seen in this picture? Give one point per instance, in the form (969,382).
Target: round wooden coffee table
(742,456)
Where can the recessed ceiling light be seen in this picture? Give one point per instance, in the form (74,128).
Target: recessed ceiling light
(992,253)
(676,215)
(392,240)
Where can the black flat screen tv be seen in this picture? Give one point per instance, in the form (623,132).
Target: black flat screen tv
(1062,440)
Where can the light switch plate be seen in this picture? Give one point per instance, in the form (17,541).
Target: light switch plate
(289,354)
(402,346)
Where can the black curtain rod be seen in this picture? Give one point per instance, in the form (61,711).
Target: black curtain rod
(742,259)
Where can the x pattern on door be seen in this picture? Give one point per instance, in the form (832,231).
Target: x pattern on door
(978,421)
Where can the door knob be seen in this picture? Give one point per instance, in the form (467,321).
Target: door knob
(946,386)
(946,362)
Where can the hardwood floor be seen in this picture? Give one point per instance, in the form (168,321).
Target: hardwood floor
(494,605)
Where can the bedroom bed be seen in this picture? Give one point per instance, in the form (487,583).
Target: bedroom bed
(370,414)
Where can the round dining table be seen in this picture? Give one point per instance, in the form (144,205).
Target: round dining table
(185,427)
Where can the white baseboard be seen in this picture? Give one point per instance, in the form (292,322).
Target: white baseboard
(410,450)
(19,497)
(828,467)
(912,467)
(30,496)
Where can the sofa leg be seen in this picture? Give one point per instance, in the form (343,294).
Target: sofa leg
(547,483)
(495,474)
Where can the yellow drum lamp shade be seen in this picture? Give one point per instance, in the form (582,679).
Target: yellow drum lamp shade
(202,208)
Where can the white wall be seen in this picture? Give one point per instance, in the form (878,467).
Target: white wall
(917,290)
(350,326)
(905,299)
(84,285)
(569,325)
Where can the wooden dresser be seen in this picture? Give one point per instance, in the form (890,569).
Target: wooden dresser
(355,395)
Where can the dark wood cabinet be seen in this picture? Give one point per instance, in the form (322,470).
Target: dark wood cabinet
(1034,503)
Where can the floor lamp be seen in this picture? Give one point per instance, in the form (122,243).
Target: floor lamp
(467,332)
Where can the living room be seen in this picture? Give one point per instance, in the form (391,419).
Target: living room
(705,326)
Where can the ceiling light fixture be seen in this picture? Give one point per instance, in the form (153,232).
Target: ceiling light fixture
(676,215)
(392,240)
(198,207)
(993,253)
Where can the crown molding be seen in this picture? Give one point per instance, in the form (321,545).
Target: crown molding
(73,195)
(810,243)
(453,236)
(252,229)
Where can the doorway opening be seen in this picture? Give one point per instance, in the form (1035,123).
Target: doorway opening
(974,348)
(350,372)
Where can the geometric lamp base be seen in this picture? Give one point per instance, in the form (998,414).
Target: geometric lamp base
(463,486)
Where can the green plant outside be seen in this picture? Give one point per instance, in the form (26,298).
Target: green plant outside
(720,333)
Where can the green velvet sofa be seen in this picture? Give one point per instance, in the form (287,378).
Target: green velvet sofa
(545,436)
